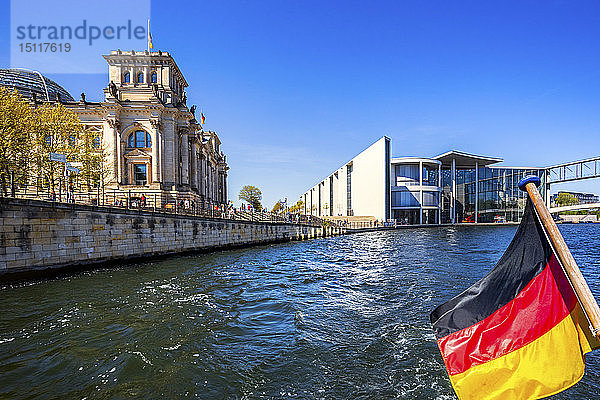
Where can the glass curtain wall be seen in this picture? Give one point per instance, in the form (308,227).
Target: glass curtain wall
(499,198)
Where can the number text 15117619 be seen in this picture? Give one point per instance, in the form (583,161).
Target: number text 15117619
(45,47)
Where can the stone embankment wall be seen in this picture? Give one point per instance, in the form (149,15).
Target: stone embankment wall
(37,235)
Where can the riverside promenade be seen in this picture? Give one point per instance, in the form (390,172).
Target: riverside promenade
(38,238)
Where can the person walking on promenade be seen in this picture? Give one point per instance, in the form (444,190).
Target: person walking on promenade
(71,194)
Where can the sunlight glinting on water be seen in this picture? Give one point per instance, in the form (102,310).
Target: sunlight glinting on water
(343,317)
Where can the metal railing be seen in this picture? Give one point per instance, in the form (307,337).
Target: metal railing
(574,170)
(147,200)
(364,224)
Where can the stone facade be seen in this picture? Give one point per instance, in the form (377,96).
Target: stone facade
(35,235)
(152,140)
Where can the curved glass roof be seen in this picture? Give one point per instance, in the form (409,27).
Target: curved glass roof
(30,84)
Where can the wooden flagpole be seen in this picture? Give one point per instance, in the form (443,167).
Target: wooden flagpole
(580,286)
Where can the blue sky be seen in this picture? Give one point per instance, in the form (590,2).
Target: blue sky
(296,88)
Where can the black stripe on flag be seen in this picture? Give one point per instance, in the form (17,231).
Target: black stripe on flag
(527,256)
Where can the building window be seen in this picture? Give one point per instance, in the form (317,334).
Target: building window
(431,199)
(96,142)
(405,198)
(139,139)
(430,175)
(407,175)
(349,190)
(126,77)
(140,77)
(139,174)
(153,77)
(331,195)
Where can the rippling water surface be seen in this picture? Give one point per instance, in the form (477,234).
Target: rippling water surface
(343,317)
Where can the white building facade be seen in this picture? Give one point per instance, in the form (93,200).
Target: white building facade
(356,188)
(454,187)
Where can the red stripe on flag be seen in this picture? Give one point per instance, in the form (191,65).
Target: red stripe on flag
(543,303)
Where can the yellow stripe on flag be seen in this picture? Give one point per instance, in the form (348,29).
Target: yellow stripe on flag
(551,363)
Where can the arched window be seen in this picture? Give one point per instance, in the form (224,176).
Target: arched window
(153,77)
(126,77)
(139,139)
(140,77)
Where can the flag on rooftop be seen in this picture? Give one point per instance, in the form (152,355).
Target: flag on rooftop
(201,118)
(150,45)
(520,332)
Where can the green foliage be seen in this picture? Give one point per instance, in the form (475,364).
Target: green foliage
(298,207)
(92,155)
(28,135)
(252,195)
(58,130)
(278,207)
(566,199)
(16,129)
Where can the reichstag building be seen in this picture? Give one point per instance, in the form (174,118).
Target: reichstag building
(154,145)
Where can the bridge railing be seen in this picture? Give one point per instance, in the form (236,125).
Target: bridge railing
(575,170)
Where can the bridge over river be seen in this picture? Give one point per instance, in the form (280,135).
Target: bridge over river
(590,206)
(570,172)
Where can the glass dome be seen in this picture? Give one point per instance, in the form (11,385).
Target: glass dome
(30,84)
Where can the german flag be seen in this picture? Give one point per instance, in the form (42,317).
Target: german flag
(520,332)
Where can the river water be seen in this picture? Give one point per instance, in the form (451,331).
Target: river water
(344,317)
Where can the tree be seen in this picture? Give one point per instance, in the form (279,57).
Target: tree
(278,207)
(28,135)
(92,156)
(252,195)
(298,207)
(16,128)
(58,130)
(566,199)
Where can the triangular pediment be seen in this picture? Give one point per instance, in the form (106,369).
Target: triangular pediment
(137,153)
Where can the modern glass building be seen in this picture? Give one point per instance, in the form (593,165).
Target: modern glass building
(474,189)
(416,190)
(454,187)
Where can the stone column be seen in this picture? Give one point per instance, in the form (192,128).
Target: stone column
(194,171)
(202,175)
(185,180)
(199,172)
(216,184)
(211,182)
(167,153)
(156,165)
(225,187)
(161,155)
(117,163)
(121,162)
